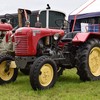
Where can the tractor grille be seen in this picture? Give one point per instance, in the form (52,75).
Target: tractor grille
(21,45)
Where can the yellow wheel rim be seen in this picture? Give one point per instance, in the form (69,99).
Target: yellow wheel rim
(94,61)
(5,75)
(46,75)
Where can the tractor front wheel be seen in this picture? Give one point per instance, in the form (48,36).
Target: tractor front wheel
(43,73)
(89,60)
(8,70)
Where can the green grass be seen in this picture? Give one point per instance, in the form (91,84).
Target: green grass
(67,87)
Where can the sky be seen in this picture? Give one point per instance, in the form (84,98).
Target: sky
(67,6)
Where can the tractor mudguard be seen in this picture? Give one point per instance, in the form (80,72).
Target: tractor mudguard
(13,64)
(80,38)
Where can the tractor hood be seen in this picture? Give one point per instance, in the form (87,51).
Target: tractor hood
(41,32)
(5,27)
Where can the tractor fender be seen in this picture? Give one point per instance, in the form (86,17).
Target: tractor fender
(81,37)
(13,64)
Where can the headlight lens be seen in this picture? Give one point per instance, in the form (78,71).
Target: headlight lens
(56,36)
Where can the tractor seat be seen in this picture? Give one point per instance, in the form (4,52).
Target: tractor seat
(69,36)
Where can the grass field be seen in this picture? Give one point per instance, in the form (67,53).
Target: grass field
(67,87)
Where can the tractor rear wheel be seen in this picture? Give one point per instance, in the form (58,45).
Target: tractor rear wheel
(89,60)
(8,72)
(43,73)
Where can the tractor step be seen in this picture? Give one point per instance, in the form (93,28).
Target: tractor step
(66,39)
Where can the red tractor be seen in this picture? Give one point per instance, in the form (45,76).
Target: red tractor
(47,52)
(8,71)
(32,43)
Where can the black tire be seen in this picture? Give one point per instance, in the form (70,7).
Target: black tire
(7,75)
(88,67)
(37,71)
(25,71)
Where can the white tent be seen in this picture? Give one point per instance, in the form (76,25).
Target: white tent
(90,9)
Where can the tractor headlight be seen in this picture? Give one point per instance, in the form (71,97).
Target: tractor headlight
(56,36)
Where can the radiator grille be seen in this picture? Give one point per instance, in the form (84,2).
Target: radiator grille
(21,45)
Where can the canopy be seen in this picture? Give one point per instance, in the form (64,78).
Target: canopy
(90,9)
